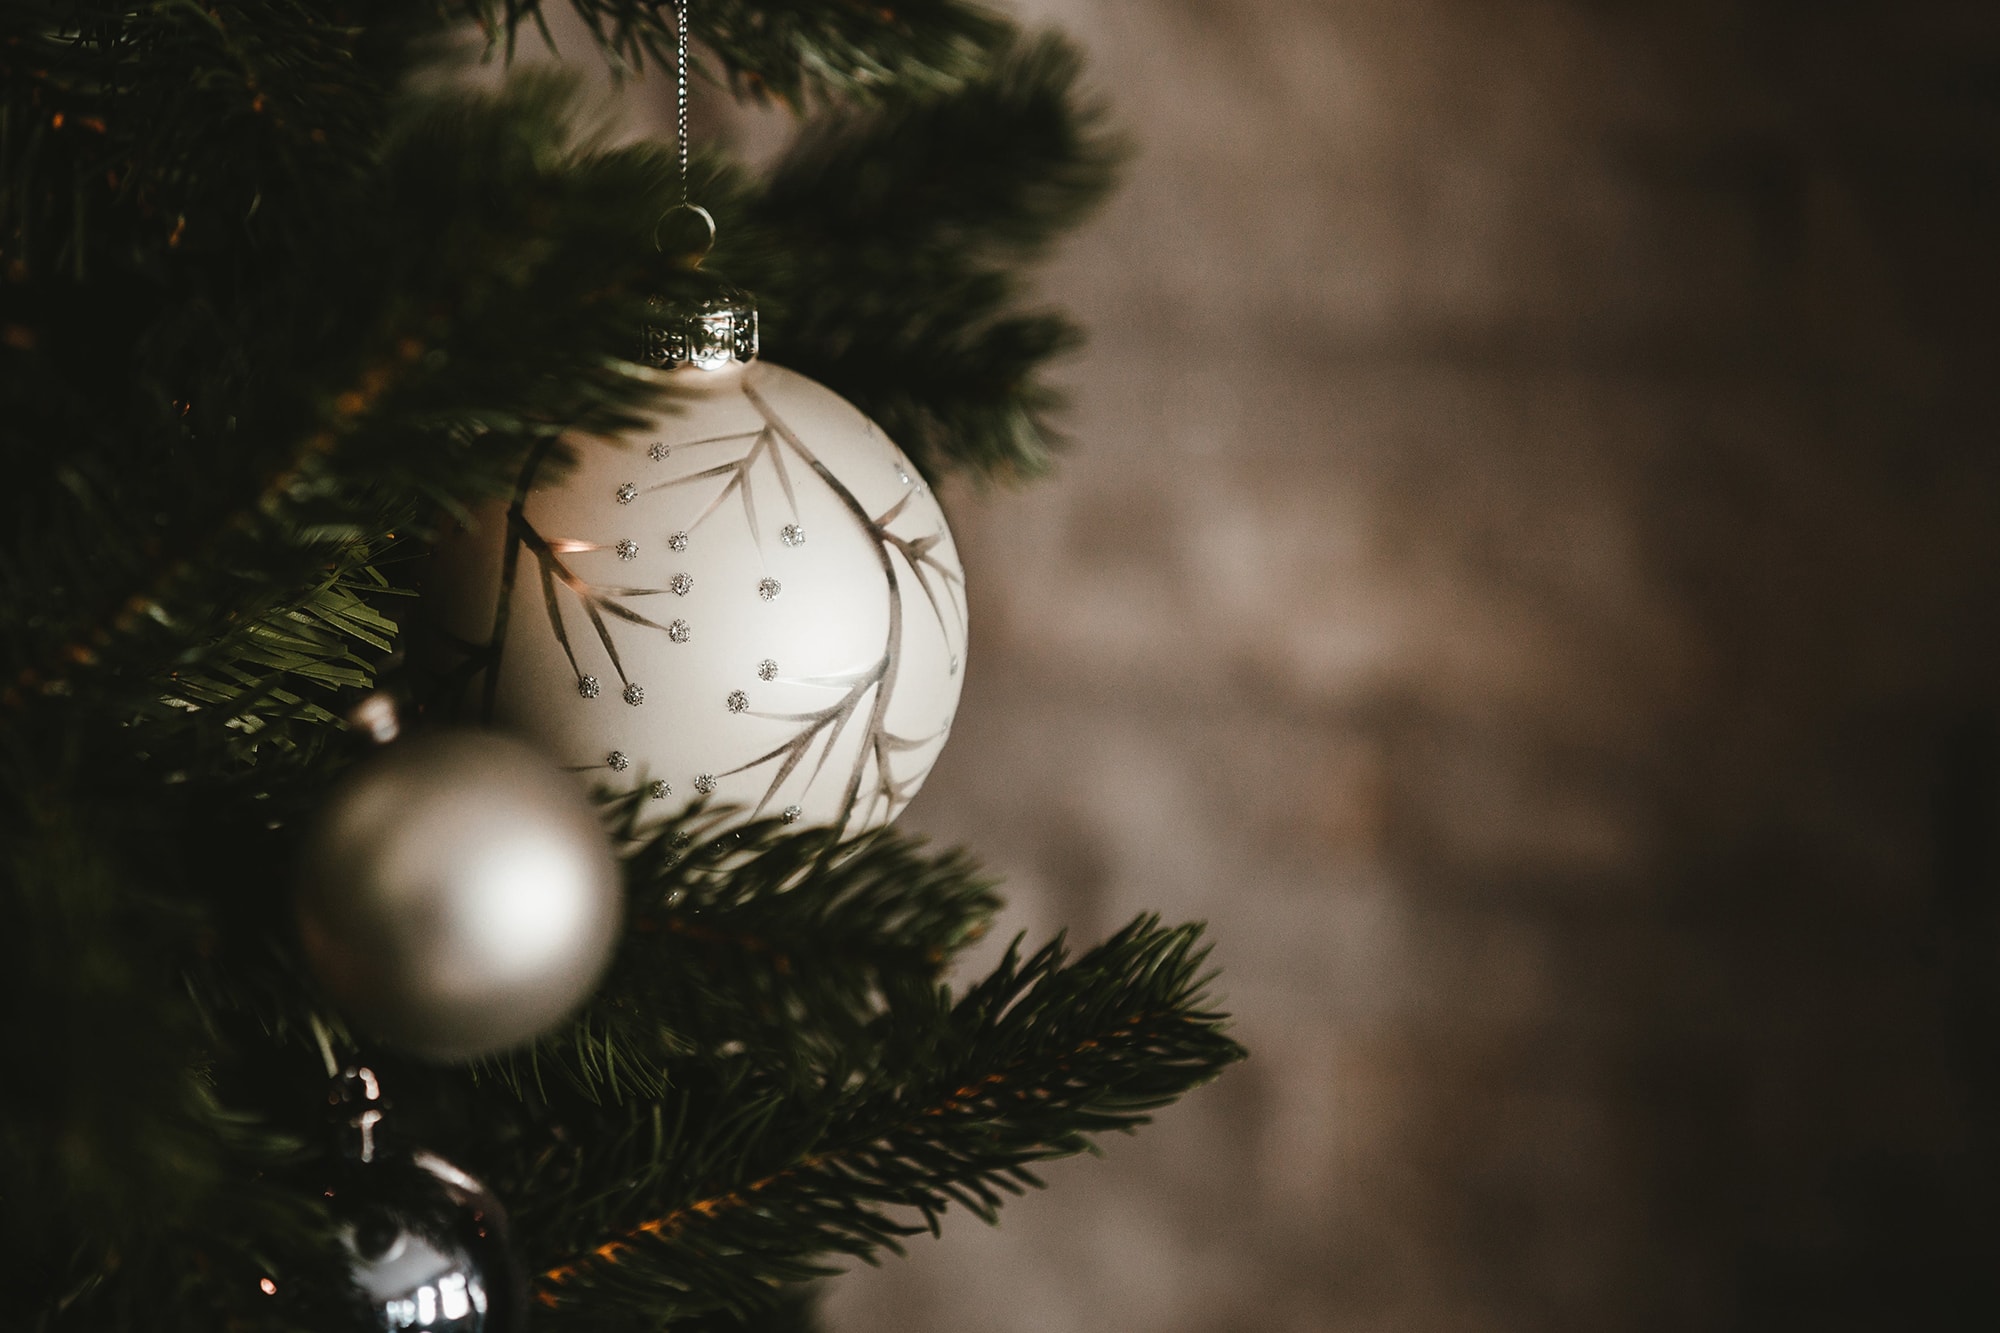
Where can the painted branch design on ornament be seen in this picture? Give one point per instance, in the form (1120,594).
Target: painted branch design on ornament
(867,692)
(553,572)
(763,445)
(596,601)
(879,679)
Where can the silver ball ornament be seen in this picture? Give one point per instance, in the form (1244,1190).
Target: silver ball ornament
(427,1249)
(426,1243)
(458,895)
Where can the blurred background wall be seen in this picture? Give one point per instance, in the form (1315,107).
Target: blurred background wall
(1526,576)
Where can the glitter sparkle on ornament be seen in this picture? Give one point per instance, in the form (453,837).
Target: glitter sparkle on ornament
(792,535)
(768,589)
(627,493)
(678,542)
(617,761)
(588,687)
(635,694)
(767,670)
(680,585)
(627,549)
(678,631)
(737,701)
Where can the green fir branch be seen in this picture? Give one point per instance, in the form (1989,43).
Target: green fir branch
(887,245)
(479,291)
(952,1104)
(794,51)
(763,946)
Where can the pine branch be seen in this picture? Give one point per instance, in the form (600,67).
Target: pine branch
(759,946)
(794,1310)
(952,1106)
(796,51)
(278,667)
(886,248)
(453,313)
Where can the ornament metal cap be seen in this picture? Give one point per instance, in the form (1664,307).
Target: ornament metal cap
(711,334)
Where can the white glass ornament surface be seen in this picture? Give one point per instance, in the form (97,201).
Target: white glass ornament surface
(754,599)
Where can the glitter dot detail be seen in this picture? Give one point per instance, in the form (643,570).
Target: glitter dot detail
(737,701)
(635,694)
(627,549)
(793,814)
(660,791)
(658,451)
(678,631)
(587,686)
(792,535)
(617,761)
(627,493)
(678,542)
(681,584)
(705,783)
(767,670)
(768,589)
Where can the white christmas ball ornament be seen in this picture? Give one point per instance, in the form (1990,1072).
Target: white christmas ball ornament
(753,599)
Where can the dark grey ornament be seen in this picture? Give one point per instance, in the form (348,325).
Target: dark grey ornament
(426,1243)
(458,895)
(427,1248)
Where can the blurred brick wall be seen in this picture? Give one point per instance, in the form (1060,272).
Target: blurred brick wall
(1526,577)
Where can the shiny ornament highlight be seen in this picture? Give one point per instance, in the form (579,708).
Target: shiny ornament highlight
(458,895)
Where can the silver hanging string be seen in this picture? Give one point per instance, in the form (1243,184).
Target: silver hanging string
(681,88)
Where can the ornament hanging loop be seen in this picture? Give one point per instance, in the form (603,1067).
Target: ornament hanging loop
(686,231)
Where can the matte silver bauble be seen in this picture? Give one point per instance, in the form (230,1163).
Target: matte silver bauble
(752,598)
(458,895)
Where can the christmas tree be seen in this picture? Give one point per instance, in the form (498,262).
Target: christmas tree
(283,300)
